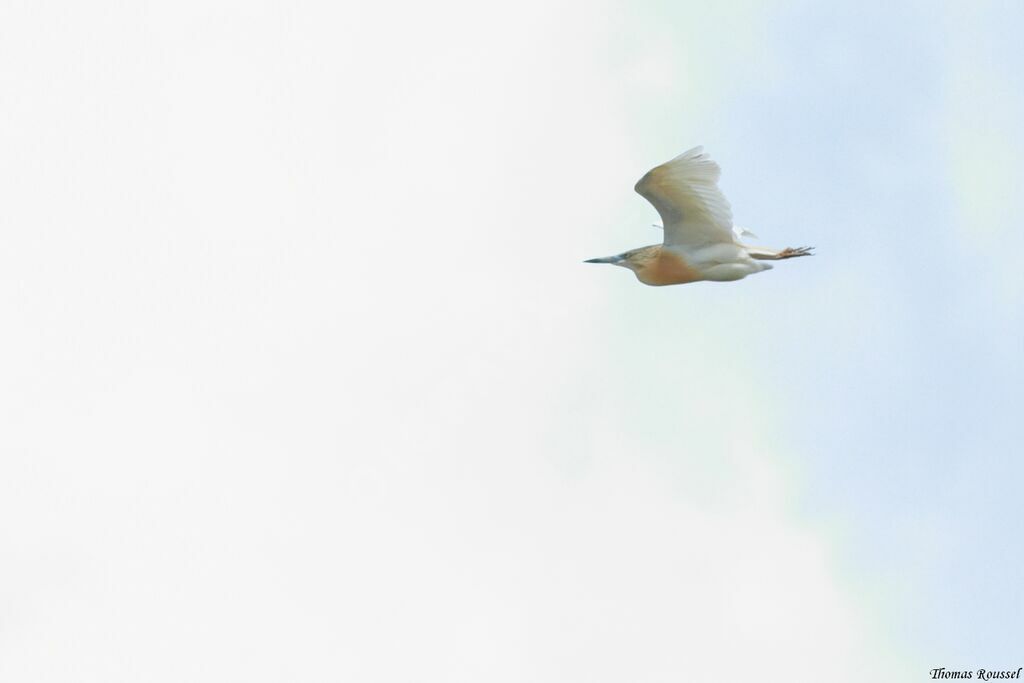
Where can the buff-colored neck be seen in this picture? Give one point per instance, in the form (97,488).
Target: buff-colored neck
(656,266)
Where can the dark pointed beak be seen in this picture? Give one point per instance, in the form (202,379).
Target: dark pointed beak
(606,259)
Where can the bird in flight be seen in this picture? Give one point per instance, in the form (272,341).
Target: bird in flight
(700,242)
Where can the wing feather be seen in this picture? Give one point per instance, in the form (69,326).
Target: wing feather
(685,193)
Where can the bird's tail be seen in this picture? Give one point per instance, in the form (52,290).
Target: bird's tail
(764,254)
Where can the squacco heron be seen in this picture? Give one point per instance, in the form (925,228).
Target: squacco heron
(700,240)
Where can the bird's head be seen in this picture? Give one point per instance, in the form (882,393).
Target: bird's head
(634,259)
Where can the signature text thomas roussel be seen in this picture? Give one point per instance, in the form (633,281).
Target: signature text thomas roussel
(980,674)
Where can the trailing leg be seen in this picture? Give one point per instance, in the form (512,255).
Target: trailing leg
(763,254)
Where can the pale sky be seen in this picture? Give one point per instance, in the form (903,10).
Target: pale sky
(304,378)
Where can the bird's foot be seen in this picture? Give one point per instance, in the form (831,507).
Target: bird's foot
(793,252)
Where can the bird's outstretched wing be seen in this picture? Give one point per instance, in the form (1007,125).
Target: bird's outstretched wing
(685,192)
